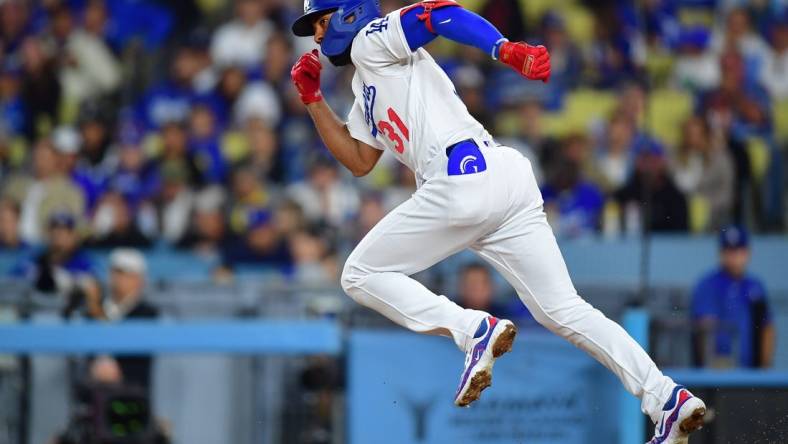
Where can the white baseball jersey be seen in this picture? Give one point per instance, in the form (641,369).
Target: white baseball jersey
(404,100)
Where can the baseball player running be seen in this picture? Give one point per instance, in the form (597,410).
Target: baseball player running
(472,194)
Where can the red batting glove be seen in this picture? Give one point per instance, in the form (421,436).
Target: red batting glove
(306,77)
(531,62)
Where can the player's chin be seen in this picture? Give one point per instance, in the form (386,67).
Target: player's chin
(341,59)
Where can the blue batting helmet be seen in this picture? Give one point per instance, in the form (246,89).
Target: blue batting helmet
(349,17)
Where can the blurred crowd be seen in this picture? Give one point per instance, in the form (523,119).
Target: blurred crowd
(145,123)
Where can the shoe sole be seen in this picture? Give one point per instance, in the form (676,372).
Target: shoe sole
(694,422)
(483,378)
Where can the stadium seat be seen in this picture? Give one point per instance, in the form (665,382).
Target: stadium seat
(579,24)
(535,9)
(781,120)
(581,109)
(659,65)
(760,156)
(699,212)
(696,15)
(667,110)
(234,146)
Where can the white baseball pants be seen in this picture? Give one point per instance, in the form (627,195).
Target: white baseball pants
(498,214)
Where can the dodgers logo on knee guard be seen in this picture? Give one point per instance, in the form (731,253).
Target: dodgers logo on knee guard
(466,158)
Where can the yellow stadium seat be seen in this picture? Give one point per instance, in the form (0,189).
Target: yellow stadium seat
(659,65)
(582,108)
(153,145)
(579,24)
(689,16)
(699,213)
(759,155)
(212,6)
(780,112)
(234,146)
(535,9)
(506,124)
(17,151)
(554,124)
(68,113)
(667,111)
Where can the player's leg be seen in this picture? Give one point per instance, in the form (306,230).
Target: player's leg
(441,219)
(524,250)
(411,238)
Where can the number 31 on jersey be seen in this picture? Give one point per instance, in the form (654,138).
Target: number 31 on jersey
(395,136)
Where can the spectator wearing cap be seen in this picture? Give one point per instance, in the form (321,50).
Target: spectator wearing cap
(696,67)
(730,310)
(260,249)
(774,74)
(95,165)
(174,152)
(123,301)
(136,178)
(68,144)
(61,266)
(44,191)
(243,40)
(650,199)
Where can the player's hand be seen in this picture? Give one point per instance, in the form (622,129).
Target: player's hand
(306,77)
(531,62)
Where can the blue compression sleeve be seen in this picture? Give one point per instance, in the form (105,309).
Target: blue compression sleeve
(454,23)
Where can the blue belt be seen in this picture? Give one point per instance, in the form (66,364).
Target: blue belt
(465,157)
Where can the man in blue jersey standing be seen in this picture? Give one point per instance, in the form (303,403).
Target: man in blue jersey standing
(730,310)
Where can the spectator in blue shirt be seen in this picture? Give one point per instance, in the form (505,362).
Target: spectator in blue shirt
(730,310)
(572,202)
(261,249)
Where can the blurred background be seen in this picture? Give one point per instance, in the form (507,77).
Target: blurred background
(160,176)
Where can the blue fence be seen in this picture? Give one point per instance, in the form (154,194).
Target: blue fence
(400,385)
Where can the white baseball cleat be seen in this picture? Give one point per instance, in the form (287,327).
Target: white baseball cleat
(493,338)
(682,415)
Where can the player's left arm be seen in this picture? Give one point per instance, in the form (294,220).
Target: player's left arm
(423,22)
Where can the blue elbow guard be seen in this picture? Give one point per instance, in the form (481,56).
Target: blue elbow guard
(454,23)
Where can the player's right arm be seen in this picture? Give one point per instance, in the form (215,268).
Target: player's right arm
(356,156)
